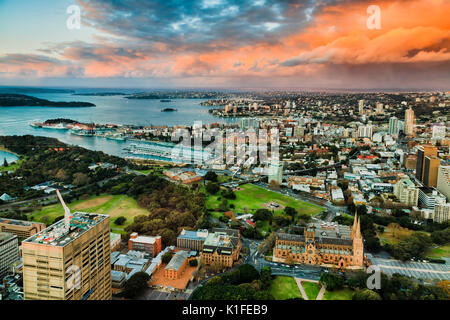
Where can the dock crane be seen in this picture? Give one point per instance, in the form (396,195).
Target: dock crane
(67,214)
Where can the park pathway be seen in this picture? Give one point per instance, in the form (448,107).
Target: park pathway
(302,291)
(115,204)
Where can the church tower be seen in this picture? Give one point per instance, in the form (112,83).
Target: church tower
(358,246)
(355,222)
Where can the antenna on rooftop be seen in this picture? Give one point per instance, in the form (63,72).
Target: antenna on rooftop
(67,215)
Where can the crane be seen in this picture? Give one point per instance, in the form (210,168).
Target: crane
(67,215)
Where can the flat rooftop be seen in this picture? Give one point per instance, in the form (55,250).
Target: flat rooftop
(57,235)
(5,236)
(18,222)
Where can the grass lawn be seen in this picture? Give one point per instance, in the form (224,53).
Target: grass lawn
(283,288)
(312,289)
(251,197)
(393,235)
(441,251)
(343,294)
(12,166)
(110,204)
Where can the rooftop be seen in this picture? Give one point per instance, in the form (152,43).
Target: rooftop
(177,260)
(58,235)
(18,222)
(5,236)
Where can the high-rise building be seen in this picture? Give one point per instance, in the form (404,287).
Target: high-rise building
(70,260)
(249,123)
(393,126)
(276,173)
(9,252)
(406,192)
(441,212)
(443,181)
(365,131)
(361,106)
(438,132)
(410,122)
(430,171)
(379,108)
(422,152)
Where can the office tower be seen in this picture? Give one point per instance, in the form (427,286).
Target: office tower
(438,132)
(9,252)
(443,181)
(70,260)
(22,229)
(430,171)
(393,126)
(361,106)
(410,122)
(422,152)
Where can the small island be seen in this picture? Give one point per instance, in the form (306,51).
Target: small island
(169,110)
(22,100)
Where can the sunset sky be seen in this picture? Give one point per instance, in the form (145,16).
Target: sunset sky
(226,43)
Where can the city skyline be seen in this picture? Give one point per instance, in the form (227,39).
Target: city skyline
(225,43)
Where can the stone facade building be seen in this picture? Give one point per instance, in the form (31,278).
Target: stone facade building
(323,244)
(221,247)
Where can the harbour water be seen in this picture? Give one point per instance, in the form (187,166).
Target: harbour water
(109,109)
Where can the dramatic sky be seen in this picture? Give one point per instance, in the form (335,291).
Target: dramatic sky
(226,43)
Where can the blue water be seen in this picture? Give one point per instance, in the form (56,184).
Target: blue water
(109,109)
(8,156)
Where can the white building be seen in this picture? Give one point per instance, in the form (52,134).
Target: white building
(441,213)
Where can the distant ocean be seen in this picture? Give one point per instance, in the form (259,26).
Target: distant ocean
(109,109)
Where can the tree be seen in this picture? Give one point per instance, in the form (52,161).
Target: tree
(136,284)
(120,220)
(361,210)
(193,262)
(263,215)
(290,211)
(332,281)
(248,273)
(5,163)
(212,187)
(211,176)
(167,257)
(80,179)
(366,294)
(266,276)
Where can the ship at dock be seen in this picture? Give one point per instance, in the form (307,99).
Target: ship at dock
(174,152)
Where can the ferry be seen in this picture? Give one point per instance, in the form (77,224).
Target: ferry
(57,126)
(164,151)
(84,133)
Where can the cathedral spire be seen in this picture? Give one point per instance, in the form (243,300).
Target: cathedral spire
(358,229)
(355,222)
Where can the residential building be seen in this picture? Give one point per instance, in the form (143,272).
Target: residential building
(276,173)
(221,248)
(443,181)
(410,122)
(406,192)
(9,252)
(438,132)
(323,244)
(192,240)
(393,126)
(22,229)
(441,212)
(70,260)
(149,244)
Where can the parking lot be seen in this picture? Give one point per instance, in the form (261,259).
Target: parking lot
(152,294)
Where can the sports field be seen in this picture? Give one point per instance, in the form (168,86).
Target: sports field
(251,197)
(113,205)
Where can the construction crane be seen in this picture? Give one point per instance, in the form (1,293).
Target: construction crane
(67,215)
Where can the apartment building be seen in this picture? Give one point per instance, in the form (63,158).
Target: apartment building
(406,192)
(443,181)
(70,260)
(441,212)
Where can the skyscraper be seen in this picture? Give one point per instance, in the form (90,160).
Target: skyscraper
(443,181)
(361,106)
(422,152)
(410,122)
(70,260)
(430,171)
(393,126)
